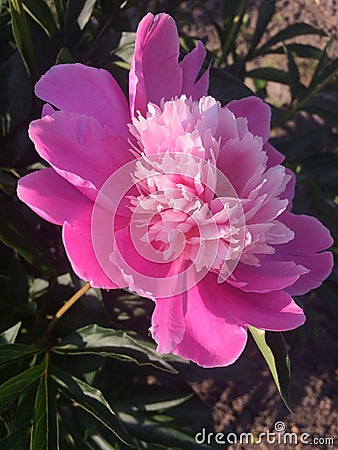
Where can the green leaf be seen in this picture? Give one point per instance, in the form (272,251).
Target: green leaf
(97,340)
(295,85)
(297,29)
(14,352)
(11,389)
(91,400)
(269,74)
(41,14)
(301,50)
(146,428)
(22,36)
(322,63)
(44,434)
(272,347)
(266,11)
(9,336)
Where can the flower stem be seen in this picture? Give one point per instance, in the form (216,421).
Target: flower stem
(69,303)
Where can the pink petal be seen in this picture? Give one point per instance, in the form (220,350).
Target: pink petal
(269,276)
(78,243)
(311,237)
(86,90)
(274,156)
(191,65)
(212,337)
(168,325)
(154,72)
(256,112)
(52,197)
(47,110)
(79,148)
(275,311)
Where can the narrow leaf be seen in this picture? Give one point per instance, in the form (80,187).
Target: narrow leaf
(272,347)
(11,389)
(295,85)
(297,29)
(91,400)
(44,433)
(269,74)
(266,11)
(94,339)
(41,14)
(14,352)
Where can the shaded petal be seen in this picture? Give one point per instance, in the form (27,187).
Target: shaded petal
(257,113)
(86,90)
(52,197)
(167,323)
(191,65)
(154,72)
(310,238)
(79,148)
(269,276)
(213,337)
(274,156)
(78,243)
(275,311)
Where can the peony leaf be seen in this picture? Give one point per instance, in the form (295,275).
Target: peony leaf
(266,11)
(297,29)
(272,347)
(44,432)
(15,352)
(91,400)
(93,339)
(11,389)
(269,74)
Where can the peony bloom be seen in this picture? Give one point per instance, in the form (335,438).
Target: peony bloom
(175,198)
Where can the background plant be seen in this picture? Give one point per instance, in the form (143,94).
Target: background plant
(91,378)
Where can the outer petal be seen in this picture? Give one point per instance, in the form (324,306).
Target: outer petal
(269,276)
(191,65)
(168,325)
(86,90)
(274,311)
(79,148)
(257,113)
(52,197)
(79,248)
(274,156)
(154,72)
(311,237)
(213,337)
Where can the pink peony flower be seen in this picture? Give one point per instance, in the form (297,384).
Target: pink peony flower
(175,198)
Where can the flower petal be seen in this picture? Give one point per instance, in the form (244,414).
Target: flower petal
(86,90)
(167,323)
(79,148)
(212,337)
(191,65)
(310,238)
(154,72)
(275,311)
(269,276)
(52,197)
(257,113)
(78,243)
